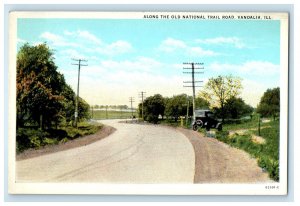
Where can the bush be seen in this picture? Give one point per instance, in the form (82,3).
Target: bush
(152,118)
(35,138)
(30,138)
(50,141)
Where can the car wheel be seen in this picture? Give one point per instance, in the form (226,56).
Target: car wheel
(195,127)
(199,123)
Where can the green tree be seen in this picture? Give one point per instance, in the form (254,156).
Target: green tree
(176,106)
(43,97)
(153,107)
(200,103)
(69,106)
(39,86)
(219,90)
(269,104)
(235,108)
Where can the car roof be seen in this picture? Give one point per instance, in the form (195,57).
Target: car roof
(203,110)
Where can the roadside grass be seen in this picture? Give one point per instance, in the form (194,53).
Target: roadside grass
(35,138)
(267,154)
(243,124)
(102,114)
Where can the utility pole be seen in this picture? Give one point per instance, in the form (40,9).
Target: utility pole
(77,98)
(193,81)
(187,111)
(142,95)
(131,99)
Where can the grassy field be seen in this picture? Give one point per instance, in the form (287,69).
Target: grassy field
(267,153)
(102,114)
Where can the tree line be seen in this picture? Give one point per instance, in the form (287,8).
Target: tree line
(220,94)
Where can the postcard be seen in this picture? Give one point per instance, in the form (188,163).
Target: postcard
(155,103)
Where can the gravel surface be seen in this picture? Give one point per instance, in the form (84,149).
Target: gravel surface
(217,162)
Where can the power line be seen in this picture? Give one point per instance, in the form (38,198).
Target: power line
(193,82)
(77,98)
(131,99)
(141,94)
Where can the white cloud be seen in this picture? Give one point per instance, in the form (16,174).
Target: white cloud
(255,68)
(173,45)
(169,45)
(87,43)
(119,46)
(56,40)
(198,51)
(236,42)
(88,36)
(115,48)
(72,53)
(141,64)
(83,35)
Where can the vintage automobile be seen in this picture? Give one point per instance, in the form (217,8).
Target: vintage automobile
(205,119)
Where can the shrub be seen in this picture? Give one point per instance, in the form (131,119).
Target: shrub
(50,141)
(64,140)
(30,138)
(35,138)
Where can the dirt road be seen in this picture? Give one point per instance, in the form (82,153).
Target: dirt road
(132,154)
(217,162)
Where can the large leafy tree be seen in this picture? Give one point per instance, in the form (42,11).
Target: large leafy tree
(153,107)
(39,85)
(235,108)
(176,106)
(43,97)
(219,90)
(270,103)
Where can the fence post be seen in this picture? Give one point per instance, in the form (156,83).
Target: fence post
(258,125)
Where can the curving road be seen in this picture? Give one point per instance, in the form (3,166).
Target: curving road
(133,154)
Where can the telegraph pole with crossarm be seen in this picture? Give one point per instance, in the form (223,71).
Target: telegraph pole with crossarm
(142,95)
(193,82)
(131,99)
(77,98)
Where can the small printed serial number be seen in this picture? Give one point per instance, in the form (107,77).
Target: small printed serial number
(271,187)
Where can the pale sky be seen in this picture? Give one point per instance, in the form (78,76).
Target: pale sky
(128,56)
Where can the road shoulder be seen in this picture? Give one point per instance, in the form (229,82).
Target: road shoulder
(217,162)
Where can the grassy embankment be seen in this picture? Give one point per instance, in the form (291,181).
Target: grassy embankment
(266,152)
(32,137)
